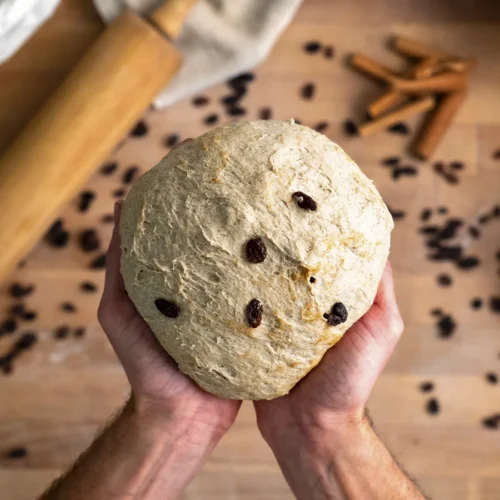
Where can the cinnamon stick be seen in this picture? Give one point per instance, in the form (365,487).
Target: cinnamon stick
(385,102)
(445,82)
(438,124)
(414,49)
(460,65)
(422,104)
(371,68)
(426,68)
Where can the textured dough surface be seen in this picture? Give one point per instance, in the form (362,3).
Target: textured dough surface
(184,227)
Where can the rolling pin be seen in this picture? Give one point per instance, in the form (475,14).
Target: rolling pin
(77,128)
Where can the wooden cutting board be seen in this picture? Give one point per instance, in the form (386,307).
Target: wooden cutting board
(63,389)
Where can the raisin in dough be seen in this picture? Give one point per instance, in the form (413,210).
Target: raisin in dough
(184,229)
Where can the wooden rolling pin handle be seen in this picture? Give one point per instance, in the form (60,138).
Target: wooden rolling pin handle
(170,16)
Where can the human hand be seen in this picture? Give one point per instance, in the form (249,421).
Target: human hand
(337,390)
(160,392)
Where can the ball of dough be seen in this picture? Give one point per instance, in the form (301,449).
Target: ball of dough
(250,251)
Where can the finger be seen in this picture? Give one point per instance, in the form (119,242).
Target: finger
(386,297)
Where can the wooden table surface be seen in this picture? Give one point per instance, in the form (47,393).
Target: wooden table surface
(61,391)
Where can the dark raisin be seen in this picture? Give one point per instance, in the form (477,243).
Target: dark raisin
(304,201)
(17,453)
(89,241)
(447,253)
(236,111)
(17,310)
(140,130)
(88,286)
(171,140)
(6,368)
(99,262)
(426,386)
(429,229)
(476,303)
(491,422)
(457,165)
(451,178)
(496,154)
(474,232)
(432,406)
(68,307)
(168,308)
(211,119)
(26,341)
(118,193)
(436,311)
(399,128)
(495,304)
(308,90)
(468,263)
(404,171)
(439,167)
(235,98)
(56,235)
(397,214)
(491,378)
(256,251)
(130,175)
(17,290)
(444,280)
(79,332)
(8,326)
(332,319)
(312,279)
(496,211)
(297,121)
(241,79)
(254,313)
(86,199)
(29,316)
(107,218)
(450,229)
(321,126)
(265,114)
(329,52)
(391,161)
(442,210)
(312,47)
(340,310)
(61,332)
(109,168)
(426,214)
(446,326)
(200,100)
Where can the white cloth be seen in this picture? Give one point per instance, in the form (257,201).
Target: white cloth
(19,19)
(220,38)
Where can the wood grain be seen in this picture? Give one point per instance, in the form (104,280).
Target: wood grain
(62,392)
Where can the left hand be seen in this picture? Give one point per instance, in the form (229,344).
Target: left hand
(160,392)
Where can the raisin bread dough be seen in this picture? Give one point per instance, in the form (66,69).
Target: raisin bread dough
(193,274)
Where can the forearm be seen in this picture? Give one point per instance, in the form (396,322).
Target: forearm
(349,463)
(137,458)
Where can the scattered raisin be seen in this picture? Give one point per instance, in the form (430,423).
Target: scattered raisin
(107,218)
(68,307)
(254,313)
(436,311)
(168,308)
(26,341)
(442,210)
(211,119)
(426,386)
(474,232)
(404,171)
(17,453)
(265,114)
(396,214)
(171,140)
(496,154)
(321,126)
(312,279)
(457,165)
(8,326)
(312,47)
(446,326)
(308,90)
(476,303)
(426,214)
(491,378)
(86,199)
(118,193)
(492,422)
(29,316)
(304,201)
(399,128)
(109,168)
(236,111)
(140,130)
(89,241)
(17,290)
(329,52)
(88,286)
(200,100)
(432,406)
(256,250)
(495,304)
(99,262)
(61,332)
(444,280)
(79,332)
(57,236)
(451,178)
(130,174)
(391,161)
(241,79)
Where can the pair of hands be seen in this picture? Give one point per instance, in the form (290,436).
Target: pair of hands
(332,395)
